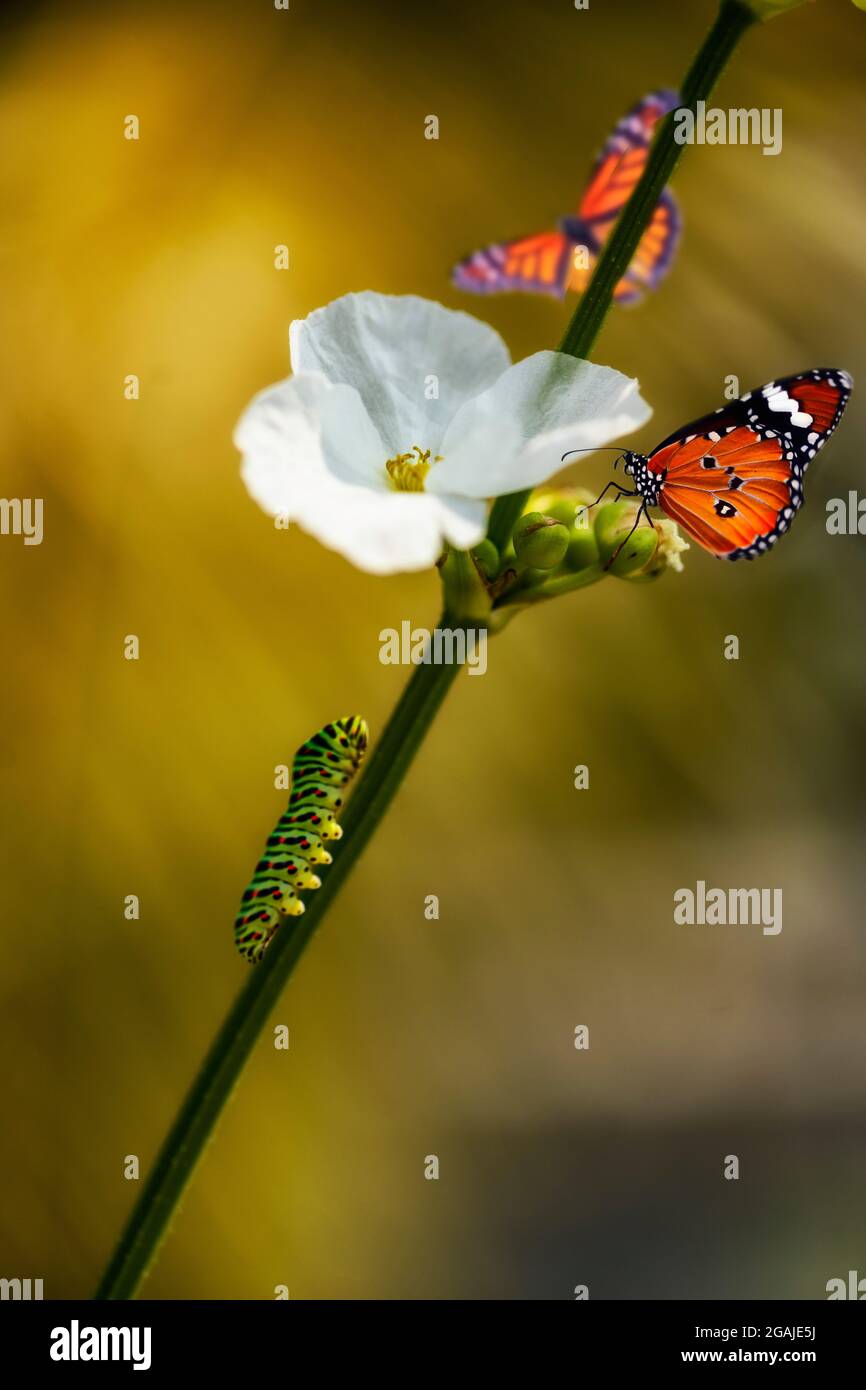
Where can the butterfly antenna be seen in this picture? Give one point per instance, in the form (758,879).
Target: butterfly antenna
(595,449)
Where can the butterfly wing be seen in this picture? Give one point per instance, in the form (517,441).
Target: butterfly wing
(734,479)
(617,170)
(651,260)
(654,254)
(806,407)
(622,161)
(539,264)
(731,489)
(546,263)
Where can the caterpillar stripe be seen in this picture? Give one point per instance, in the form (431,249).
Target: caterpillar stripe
(321,770)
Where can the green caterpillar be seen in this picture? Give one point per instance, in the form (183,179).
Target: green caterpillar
(321,769)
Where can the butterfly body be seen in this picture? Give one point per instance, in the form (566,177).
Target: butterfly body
(558,261)
(733,480)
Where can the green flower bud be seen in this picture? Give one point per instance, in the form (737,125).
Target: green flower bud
(582,548)
(487,558)
(667,553)
(648,553)
(530,578)
(612,525)
(540,542)
(563,505)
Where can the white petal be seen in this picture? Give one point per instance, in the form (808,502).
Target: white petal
(391,532)
(513,435)
(311,453)
(302,432)
(396,350)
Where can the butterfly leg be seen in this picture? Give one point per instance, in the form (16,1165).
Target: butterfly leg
(641,511)
(623,492)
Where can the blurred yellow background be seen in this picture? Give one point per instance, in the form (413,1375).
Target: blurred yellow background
(155,777)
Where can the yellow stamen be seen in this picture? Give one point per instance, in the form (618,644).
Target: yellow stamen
(408,471)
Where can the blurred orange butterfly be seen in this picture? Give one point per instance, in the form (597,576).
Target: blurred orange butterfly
(554,262)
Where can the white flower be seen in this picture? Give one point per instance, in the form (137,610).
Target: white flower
(402,418)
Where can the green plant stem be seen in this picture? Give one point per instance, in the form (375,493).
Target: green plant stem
(586,323)
(552,588)
(235,1040)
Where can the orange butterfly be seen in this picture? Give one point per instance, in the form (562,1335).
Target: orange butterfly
(733,480)
(554,262)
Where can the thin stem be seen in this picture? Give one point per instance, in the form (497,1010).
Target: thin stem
(236,1038)
(586,323)
(552,588)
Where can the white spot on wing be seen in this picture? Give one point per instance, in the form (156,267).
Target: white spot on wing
(788,405)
